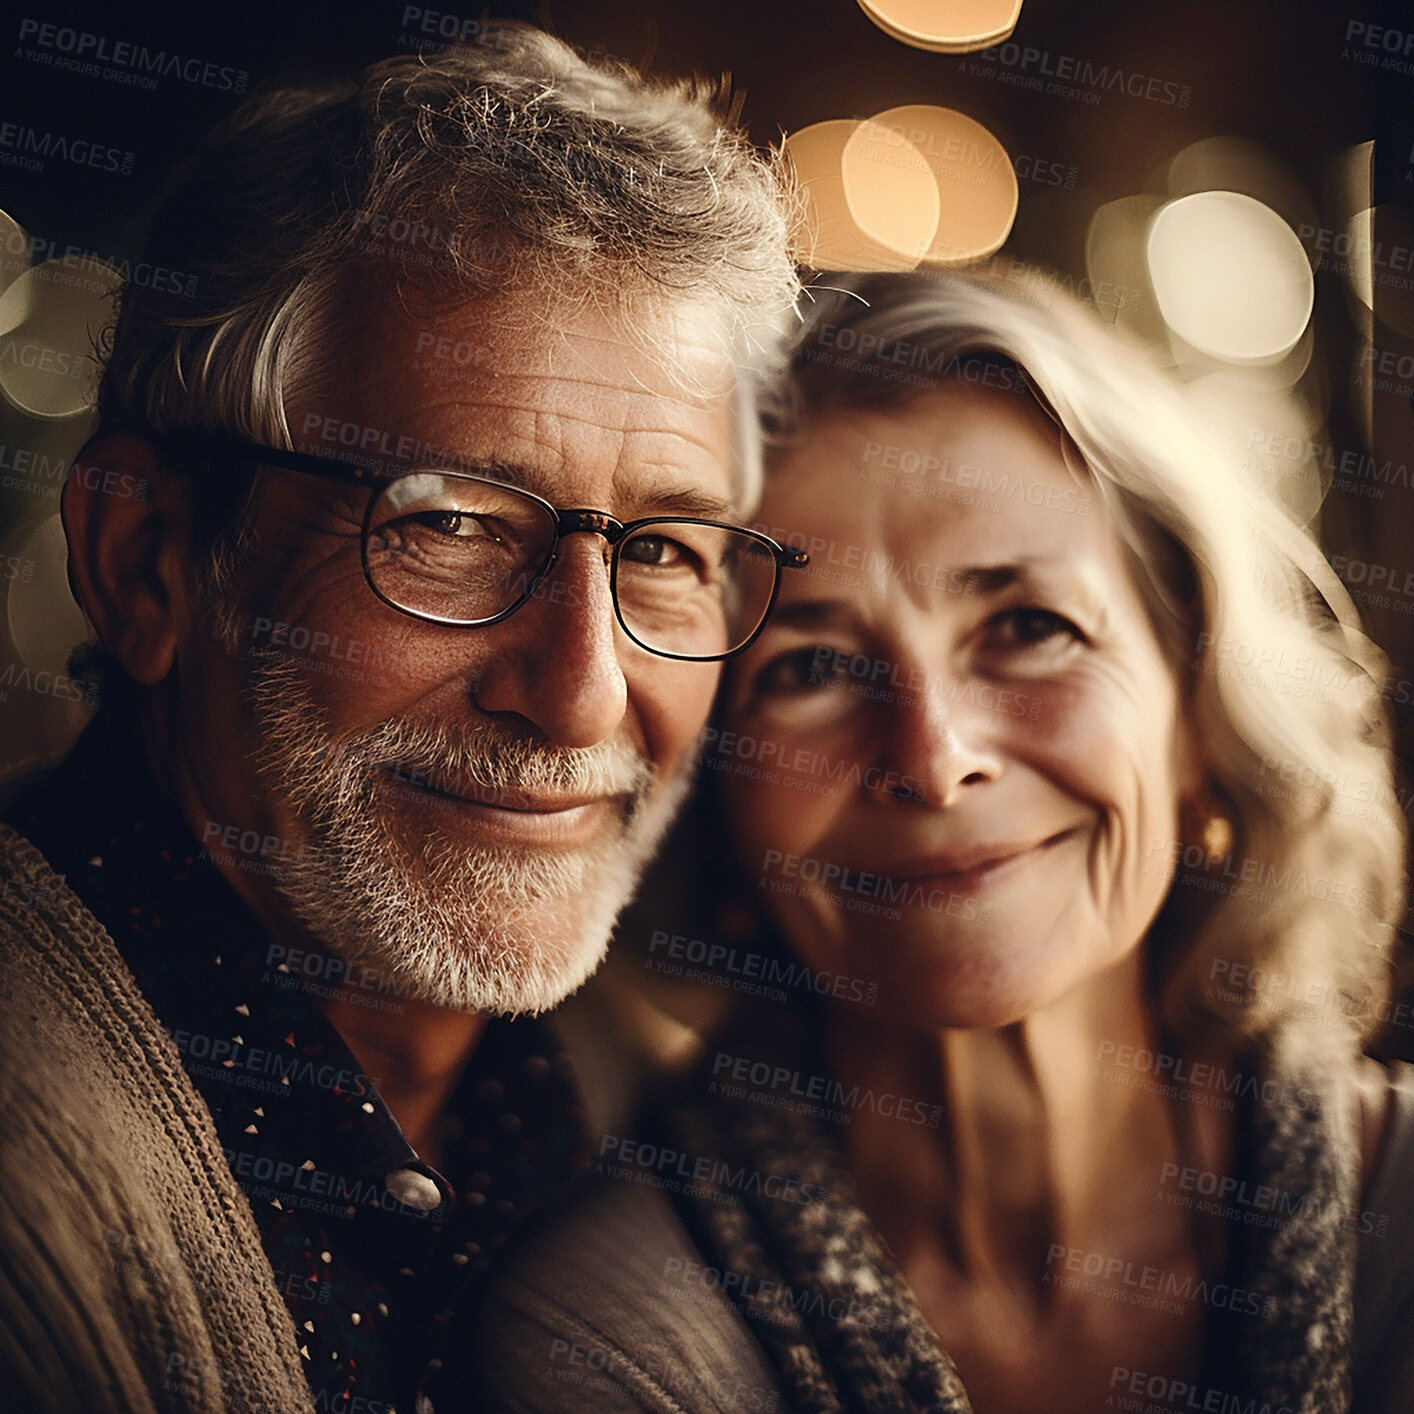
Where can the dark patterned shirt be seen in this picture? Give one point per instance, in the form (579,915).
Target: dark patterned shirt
(377,1255)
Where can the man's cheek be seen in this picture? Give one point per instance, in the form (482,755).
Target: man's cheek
(672,708)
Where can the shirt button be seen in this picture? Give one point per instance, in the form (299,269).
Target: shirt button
(415,1189)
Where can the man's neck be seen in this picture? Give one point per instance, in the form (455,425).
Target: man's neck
(415,1057)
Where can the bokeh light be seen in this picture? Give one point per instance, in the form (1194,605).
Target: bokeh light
(1116,266)
(1241,165)
(1230,276)
(44,621)
(975,180)
(870,200)
(946,26)
(14,251)
(51,318)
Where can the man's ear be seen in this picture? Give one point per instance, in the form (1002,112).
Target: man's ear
(126,523)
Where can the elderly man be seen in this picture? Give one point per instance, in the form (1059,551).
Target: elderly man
(408,624)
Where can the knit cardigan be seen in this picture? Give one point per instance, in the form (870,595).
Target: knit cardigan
(132,1277)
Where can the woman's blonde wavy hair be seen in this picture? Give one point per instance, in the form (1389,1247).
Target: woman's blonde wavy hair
(1294,915)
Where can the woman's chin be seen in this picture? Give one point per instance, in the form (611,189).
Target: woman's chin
(977,977)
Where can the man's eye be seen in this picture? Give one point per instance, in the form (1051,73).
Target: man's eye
(1031,628)
(455,524)
(654,550)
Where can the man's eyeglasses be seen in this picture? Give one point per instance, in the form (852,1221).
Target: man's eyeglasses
(455,548)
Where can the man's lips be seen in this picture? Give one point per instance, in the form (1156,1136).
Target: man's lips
(520,816)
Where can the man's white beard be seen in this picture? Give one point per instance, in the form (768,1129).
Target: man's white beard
(489,929)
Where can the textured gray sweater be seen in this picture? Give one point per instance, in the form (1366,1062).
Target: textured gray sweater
(132,1278)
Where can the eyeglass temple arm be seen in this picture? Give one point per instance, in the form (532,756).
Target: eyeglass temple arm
(332,467)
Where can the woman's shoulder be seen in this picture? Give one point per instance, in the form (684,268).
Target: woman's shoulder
(610,1306)
(1384,1224)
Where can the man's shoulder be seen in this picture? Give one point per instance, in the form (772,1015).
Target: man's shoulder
(130,1258)
(41,918)
(53,951)
(610,1306)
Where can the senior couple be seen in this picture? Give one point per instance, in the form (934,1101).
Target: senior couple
(283,1125)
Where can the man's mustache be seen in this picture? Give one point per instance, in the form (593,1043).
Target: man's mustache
(494,761)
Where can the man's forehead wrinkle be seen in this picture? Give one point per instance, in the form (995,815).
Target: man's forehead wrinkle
(591,414)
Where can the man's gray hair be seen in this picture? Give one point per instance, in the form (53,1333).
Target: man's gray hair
(511,172)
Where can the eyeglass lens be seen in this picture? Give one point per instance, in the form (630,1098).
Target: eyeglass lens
(459,550)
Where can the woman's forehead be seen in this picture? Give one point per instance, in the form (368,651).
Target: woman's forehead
(952,488)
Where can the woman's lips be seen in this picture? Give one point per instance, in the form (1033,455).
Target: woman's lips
(970,869)
(511,816)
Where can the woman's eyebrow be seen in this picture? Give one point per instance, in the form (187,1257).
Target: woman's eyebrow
(1030,570)
(812,613)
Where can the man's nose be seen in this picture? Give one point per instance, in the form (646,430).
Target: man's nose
(555,661)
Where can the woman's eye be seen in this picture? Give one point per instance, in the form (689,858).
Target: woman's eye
(801,670)
(1031,627)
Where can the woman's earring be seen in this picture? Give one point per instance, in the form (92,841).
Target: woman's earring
(1217,838)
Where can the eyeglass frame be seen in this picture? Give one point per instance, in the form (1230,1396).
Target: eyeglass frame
(567,522)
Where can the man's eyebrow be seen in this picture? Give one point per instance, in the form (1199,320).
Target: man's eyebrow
(687,501)
(644,501)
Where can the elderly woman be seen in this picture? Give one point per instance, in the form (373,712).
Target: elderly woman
(1062,779)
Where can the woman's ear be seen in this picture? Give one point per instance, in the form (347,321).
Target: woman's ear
(126,523)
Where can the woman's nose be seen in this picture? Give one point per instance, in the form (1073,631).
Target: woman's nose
(936,745)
